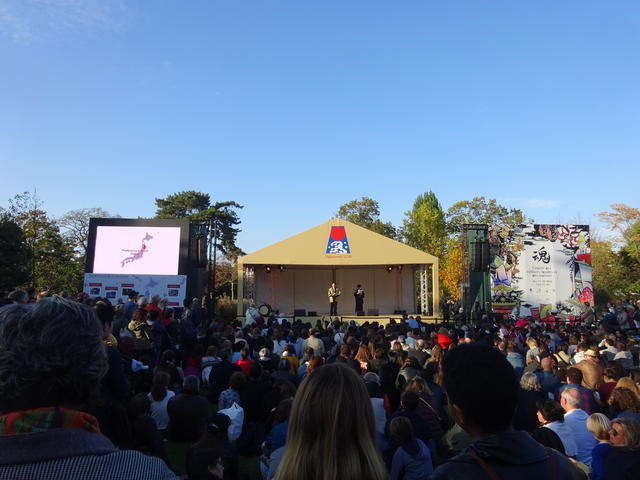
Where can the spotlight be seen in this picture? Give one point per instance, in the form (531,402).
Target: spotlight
(268,268)
(389,269)
(399,268)
(281,267)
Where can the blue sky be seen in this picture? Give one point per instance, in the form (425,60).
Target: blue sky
(295,107)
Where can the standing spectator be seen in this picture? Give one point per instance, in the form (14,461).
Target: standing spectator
(551,416)
(483,392)
(623,461)
(43,433)
(220,374)
(346,446)
(529,393)
(599,426)
(232,394)
(187,412)
(412,459)
(244,362)
(576,419)
(314,342)
(160,396)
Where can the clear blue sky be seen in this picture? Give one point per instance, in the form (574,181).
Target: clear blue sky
(294,107)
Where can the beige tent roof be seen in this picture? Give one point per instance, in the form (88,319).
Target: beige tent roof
(310,247)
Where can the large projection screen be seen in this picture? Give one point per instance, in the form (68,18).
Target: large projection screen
(137,250)
(138,247)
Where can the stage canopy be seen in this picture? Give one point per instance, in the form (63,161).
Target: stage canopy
(295,274)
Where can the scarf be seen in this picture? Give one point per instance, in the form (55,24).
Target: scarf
(41,419)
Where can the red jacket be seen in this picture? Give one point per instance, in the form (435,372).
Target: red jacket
(444,340)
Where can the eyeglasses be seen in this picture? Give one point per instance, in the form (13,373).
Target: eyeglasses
(614,432)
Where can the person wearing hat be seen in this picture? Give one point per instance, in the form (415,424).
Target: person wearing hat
(592,371)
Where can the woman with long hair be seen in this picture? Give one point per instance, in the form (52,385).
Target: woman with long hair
(331,430)
(159,397)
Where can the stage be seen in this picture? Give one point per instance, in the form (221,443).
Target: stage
(382,319)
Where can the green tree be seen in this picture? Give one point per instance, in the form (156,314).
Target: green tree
(366,213)
(451,269)
(424,226)
(481,210)
(51,261)
(14,259)
(197,206)
(610,276)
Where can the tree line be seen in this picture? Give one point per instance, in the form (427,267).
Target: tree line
(428,227)
(45,253)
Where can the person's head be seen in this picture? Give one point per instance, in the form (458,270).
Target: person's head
(19,296)
(331,418)
(401,430)
(409,400)
(613,371)
(625,432)
(142,301)
(218,425)
(155,298)
(160,385)
(139,405)
(419,385)
(482,388)
(244,353)
(622,399)
(599,426)
(314,362)
(529,381)
(237,381)
(51,354)
(574,376)
(627,382)
(283,411)
(191,384)
(548,411)
(104,312)
(570,399)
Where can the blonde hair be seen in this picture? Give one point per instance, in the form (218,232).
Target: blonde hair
(627,382)
(529,381)
(599,426)
(332,432)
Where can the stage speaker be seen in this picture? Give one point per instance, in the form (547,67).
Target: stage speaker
(198,251)
(299,312)
(312,314)
(480,257)
(373,312)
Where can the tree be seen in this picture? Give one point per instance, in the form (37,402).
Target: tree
(197,206)
(480,210)
(626,221)
(366,213)
(610,277)
(15,254)
(424,226)
(51,262)
(75,225)
(451,271)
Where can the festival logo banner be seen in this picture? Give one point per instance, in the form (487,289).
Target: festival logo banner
(543,271)
(338,243)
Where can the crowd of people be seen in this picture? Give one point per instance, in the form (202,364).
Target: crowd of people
(85,384)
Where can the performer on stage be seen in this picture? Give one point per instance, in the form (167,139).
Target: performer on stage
(359,295)
(333,295)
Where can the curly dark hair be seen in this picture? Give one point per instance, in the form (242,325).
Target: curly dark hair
(51,354)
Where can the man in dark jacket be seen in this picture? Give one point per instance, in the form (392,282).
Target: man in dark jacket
(483,392)
(187,412)
(220,375)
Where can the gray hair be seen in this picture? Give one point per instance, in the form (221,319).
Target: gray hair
(530,381)
(571,396)
(142,301)
(51,354)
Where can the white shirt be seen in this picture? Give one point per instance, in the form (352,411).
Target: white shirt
(159,410)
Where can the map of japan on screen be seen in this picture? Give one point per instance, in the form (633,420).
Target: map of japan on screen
(137,250)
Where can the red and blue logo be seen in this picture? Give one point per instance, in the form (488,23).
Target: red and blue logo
(338,243)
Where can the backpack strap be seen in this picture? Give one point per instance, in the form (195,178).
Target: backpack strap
(553,464)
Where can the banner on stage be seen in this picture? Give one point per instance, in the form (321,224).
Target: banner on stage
(541,270)
(173,288)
